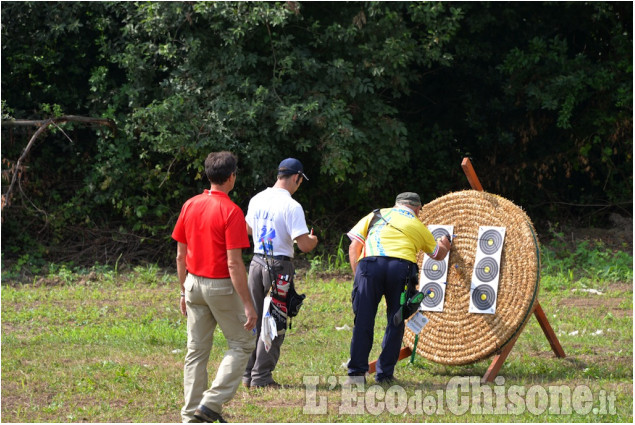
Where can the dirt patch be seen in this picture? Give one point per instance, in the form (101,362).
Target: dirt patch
(598,301)
(620,287)
(613,300)
(617,236)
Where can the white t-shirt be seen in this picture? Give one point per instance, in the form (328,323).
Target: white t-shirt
(274,215)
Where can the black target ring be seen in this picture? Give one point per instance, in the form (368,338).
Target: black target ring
(490,241)
(483,297)
(433,293)
(486,270)
(439,233)
(433,269)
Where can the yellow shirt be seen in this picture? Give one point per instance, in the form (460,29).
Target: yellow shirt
(384,240)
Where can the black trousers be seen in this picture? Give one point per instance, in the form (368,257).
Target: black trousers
(376,277)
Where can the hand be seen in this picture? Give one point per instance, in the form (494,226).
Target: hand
(307,242)
(252,317)
(445,246)
(446,242)
(183,307)
(449,238)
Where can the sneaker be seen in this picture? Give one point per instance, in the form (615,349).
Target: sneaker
(205,414)
(247,384)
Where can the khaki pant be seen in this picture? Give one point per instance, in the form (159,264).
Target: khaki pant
(211,302)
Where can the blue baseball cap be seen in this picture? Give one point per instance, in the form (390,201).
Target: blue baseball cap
(291,166)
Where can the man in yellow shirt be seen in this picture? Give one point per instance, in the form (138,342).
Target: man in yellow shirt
(383,256)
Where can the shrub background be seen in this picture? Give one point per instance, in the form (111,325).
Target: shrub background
(374,98)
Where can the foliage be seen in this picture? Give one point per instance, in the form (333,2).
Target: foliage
(331,263)
(590,265)
(374,98)
(548,119)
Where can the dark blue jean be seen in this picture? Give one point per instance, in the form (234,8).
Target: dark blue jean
(376,277)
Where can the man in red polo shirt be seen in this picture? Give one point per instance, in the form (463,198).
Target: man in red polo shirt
(211,233)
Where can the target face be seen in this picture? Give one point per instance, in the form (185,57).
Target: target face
(433,269)
(439,233)
(490,242)
(483,297)
(434,294)
(433,273)
(486,270)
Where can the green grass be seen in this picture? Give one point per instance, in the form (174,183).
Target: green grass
(107,345)
(590,264)
(330,263)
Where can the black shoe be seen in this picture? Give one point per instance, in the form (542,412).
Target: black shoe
(386,380)
(355,379)
(205,414)
(272,384)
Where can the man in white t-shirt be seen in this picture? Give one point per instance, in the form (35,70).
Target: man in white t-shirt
(275,220)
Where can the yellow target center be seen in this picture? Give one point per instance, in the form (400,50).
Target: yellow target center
(487,269)
(483,297)
(431,295)
(490,242)
(435,267)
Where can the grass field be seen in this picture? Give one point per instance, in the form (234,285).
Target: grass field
(104,345)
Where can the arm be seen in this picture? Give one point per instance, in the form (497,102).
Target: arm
(354,250)
(307,242)
(444,246)
(238,275)
(181,271)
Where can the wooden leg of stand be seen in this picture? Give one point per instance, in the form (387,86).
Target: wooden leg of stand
(499,358)
(404,353)
(471,174)
(548,330)
(498,361)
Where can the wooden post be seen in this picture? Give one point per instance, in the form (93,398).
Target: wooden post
(548,330)
(403,354)
(466,164)
(500,357)
(497,362)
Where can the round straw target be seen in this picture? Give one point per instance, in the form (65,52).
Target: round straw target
(455,336)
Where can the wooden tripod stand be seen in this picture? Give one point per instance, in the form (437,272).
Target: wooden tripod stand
(501,355)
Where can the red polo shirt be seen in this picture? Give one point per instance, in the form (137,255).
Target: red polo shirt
(210,224)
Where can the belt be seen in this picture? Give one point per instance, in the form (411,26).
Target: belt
(384,257)
(275,257)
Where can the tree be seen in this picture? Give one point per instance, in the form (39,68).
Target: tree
(540,96)
(374,98)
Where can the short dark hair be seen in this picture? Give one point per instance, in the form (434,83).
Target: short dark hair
(282,176)
(219,166)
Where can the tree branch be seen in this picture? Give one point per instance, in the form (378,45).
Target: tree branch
(66,118)
(43,126)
